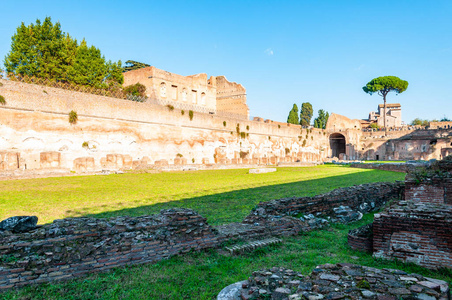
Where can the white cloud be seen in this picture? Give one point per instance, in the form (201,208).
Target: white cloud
(360,67)
(269,51)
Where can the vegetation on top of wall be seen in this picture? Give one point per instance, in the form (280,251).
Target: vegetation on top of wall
(287,150)
(242,134)
(304,143)
(179,155)
(374,126)
(190,114)
(73,117)
(85,145)
(133,65)
(136,89)
(224,123)
(2,100)
(182,112)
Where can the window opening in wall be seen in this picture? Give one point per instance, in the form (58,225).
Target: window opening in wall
(163,90)
(194,95)
(174,92)
(203,98)
(184,95)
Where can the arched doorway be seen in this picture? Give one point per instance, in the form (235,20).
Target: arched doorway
(337,144)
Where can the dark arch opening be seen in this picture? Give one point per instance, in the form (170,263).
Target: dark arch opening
(337,144)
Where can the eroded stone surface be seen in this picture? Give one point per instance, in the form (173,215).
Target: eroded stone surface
(19,224)
(341,281)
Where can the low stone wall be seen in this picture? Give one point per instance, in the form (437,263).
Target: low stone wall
(415,233)
(396,167)
(73,247)
(364,198)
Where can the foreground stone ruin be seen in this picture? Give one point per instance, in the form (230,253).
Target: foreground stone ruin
(73,247)
(336,281)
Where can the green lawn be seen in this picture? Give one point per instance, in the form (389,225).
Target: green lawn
(222,196)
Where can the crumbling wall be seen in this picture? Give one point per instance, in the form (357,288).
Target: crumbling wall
(415,233)
(73,247)
(364,198)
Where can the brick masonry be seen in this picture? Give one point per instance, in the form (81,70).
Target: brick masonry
(415,233)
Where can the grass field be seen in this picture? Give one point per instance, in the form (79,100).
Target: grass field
(222,196)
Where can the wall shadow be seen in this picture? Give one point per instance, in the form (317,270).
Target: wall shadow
(234,206)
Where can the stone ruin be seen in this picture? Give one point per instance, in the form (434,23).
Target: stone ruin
(416,229)
(336,281)
(52,251)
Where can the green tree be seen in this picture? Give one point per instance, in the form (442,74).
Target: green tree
(293,115)
(420,122)
(134,65)
(44,50)
(384,85)
(306,114)
(320,121)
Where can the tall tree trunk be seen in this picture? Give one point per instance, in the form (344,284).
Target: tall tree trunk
(384,112)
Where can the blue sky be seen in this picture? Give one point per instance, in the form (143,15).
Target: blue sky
(283,52)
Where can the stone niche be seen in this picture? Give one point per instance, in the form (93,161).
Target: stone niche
(116,161)
(9,161)
(51,159)
(84,164)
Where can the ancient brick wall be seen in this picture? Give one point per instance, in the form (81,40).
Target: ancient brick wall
(117,133)
(276,213)
(413,233)
(437,191)
(73,247)
(386,167)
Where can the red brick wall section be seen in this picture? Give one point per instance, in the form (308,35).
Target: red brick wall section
(415,233)
(276,213)
(73,247)
(436,191)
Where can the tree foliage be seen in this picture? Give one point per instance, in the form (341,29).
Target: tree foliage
(383,85)
(134,65)
(293,115)
(420,122)
(44,50)
(320,121)
(306,114)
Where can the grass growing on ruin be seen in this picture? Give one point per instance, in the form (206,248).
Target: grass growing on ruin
(202,275)
(222,196)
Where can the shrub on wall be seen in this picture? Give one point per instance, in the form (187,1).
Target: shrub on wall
(170,107)
(287,150)
(182,112)
(190,114)
(85,145)
(304,143)
(135,90)
(224,123)
(73,117)
(242,135)
(2,100)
